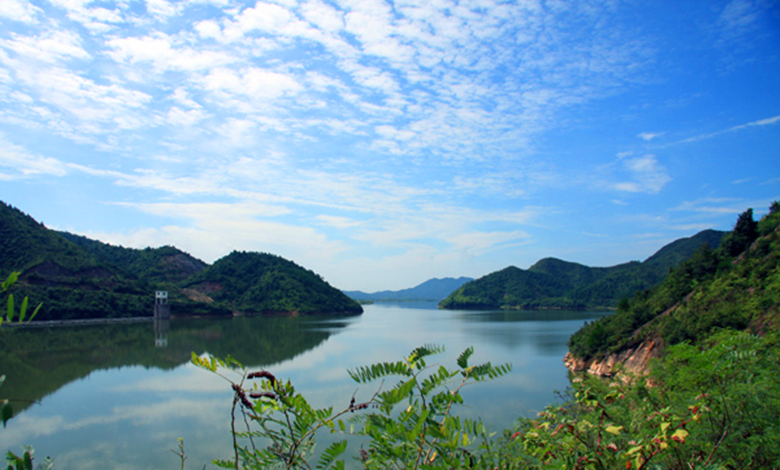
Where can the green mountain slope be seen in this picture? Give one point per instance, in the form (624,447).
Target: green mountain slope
(265,283)
(27,243)
(69,281)
(78,278)
(736,286)
(163,264)
(554,283)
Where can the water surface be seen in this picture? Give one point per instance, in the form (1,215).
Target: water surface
(119,396)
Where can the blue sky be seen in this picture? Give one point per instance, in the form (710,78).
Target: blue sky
(384,143)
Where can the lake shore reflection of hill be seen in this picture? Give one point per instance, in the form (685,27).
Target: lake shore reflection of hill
(40,361)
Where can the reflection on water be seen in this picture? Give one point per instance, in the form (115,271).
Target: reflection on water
(538,328)
(124,393)
(161,328)
(545,316)
(39,361)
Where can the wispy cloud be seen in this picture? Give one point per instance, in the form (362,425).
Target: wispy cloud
(713,206)
(648,136)
(758,123)
(19,163)
(420,76)
(644,174)
(740,17)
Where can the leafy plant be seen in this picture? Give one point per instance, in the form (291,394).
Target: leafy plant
(426,434)
(6,410)
(733,376)
(604,426)
(282,418)
(10,310)
(25,461)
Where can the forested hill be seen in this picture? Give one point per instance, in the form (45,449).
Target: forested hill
(76,278)
(554,283)
(432,289)
(163,264)
(735,286)
(265,283)
(70,281)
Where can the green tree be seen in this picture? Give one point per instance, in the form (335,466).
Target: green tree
(745,232)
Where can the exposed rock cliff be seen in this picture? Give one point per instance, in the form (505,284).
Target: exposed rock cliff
(632,360)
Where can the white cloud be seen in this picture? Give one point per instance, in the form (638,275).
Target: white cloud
(757,123)
(648,136)
(645,175)
(178,116)
(97,20)
(22,163)
(717,206)
(212,231)
(252,83)
(182,97)
(209,29)
(164,54)
(50,46)
(81,96)
(337,222)
(161,8)
(264,18)
(19,10)
(738,17)
(323,16)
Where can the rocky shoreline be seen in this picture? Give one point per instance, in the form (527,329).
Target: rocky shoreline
(634,360)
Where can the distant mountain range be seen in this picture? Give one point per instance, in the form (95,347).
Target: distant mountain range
(432,289)
(554,283)
(74,277)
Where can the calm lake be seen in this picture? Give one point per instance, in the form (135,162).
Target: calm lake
(119,396)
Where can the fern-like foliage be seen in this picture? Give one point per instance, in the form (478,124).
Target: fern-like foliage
(366,374)
(427,433)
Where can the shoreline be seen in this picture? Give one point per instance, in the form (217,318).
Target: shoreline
(106,321)
(84,322)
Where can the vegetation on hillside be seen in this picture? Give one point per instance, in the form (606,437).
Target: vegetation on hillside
(78,278)
(734,286)
(712,405)
(553,283)
(265,283)
(70,282)
(166,264)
